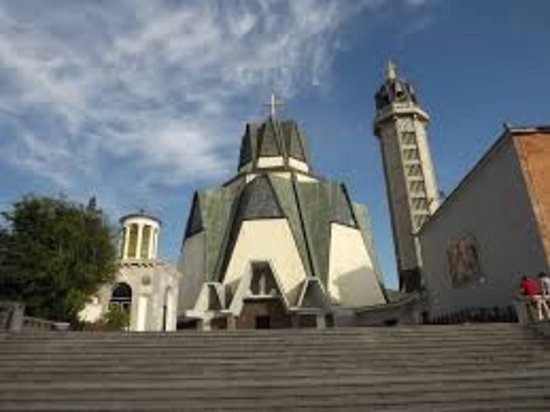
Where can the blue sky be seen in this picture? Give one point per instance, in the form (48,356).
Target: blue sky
(142,102)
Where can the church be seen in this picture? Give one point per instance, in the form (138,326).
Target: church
(145,287)
(278,245)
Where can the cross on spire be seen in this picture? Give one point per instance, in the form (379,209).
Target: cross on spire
(273,104)
(391,70)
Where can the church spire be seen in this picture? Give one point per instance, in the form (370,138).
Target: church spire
(391,70)
(273,104)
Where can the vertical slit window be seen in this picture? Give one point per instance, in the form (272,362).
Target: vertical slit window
(417,187)
(408,138)
(132,241)
(145,242)
(410,154)
(414,171)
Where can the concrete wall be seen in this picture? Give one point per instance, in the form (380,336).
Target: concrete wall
(154,286)
(396,187)
(352,281)
(268,240)
(492,206)
(192,268)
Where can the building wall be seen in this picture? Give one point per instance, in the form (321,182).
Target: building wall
(534,155)
(491,206)
(352,281)
(267,240)
(193,270)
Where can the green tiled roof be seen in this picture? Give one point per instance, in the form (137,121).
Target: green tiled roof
(273,137)
(215,207)
(309,206)
(362,217)
(285,189)
(323,203)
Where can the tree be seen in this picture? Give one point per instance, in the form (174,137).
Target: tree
(54,254)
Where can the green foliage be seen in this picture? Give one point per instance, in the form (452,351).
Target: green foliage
(116,318)
(54,254)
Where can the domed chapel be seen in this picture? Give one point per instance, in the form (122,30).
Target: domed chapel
(277,245)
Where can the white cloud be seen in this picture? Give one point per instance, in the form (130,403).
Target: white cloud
(151,89)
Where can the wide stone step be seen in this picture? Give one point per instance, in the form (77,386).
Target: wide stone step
(291,395)
(196,341)
(259,372)
(444,368)
(251,350)
(433,330)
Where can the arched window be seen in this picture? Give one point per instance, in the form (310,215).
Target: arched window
(122,296)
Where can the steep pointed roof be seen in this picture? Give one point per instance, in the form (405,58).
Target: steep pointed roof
(309,207)
(269,139)
(273,138)
(395,89)
(194,224)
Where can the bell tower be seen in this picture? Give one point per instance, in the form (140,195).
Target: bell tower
(400,125)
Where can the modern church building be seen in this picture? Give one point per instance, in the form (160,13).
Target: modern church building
(277,245)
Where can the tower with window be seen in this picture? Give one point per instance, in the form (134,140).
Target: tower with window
(145,287)
(400,124)
(139,236)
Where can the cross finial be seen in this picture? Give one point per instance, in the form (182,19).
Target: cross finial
(273,104)
(391,70)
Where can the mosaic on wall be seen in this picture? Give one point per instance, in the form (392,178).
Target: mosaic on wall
(463,260)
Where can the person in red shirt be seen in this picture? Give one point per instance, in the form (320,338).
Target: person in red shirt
(530,288)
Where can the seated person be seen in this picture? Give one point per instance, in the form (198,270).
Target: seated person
(530,289)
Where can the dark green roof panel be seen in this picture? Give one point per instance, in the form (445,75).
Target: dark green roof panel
(316,210)
(258,200)
(272,138)
(194,224)
(216,212)
(340,205)
(246,151)
(293,142)
(284,188)
(363,221)
(269,146)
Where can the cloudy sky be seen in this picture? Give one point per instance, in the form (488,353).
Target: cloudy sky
(141,102)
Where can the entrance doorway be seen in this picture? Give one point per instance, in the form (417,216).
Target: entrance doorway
(263,322)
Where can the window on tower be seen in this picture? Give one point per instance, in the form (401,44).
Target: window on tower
(410,154)
(132,241)
(408,138)
(414,170)
(420,203)
(419,220)
(417,186)
(144,252)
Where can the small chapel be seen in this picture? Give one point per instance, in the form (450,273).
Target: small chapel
(145,287)
(278,245)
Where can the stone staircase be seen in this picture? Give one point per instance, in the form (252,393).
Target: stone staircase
(443,368)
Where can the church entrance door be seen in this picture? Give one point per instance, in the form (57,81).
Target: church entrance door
(263,322)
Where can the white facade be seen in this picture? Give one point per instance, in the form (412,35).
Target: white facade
(139,237)
(144,286)
(276,243)
(483,238)
(267,240)
(351,280)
